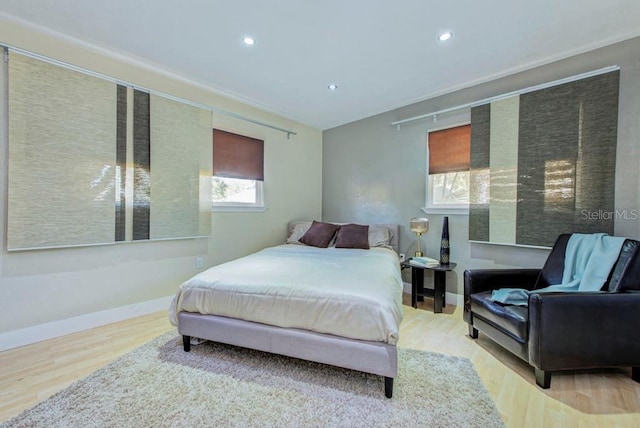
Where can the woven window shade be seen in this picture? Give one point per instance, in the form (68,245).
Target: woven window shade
(61,164)
(237,156)
(555,171)
(72,136)
(180,168)
(449,150)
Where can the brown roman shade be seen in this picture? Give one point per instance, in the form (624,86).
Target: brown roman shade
(237,156)
(449,149)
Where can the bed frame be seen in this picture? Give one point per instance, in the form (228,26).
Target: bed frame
(365,356)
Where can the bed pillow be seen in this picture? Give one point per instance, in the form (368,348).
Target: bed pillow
(298,232)
(379,236)
(319,234)
(353,236)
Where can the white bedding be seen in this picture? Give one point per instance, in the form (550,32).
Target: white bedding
(345,292)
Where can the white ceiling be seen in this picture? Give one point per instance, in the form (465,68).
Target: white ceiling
(382,54)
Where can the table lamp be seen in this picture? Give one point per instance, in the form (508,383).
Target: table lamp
(419,226)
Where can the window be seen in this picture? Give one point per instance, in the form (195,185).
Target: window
(236,191)
(448,175)
(238,172)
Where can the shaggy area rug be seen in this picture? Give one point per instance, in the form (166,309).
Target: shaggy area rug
(160,385)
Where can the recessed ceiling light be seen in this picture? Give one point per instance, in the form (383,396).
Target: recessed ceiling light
(248,40)
(445,36)
(332,87)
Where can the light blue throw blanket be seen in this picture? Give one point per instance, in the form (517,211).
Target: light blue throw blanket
(588,260)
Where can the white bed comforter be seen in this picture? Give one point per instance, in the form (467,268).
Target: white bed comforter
(345,292)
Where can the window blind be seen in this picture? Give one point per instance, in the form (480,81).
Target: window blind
(543,163)
(94,162)
(62,157)
(180,169)
(449,149)
(237,156)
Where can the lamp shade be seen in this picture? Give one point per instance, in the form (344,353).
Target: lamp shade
(419,225)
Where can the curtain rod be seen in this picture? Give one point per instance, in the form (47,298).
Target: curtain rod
(131,85)
(509,94)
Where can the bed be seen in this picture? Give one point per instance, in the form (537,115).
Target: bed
(336,306)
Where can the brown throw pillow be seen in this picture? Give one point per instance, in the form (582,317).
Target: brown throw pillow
(319,234)
(353,236)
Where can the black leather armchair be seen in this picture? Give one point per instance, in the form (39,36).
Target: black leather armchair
(559,330)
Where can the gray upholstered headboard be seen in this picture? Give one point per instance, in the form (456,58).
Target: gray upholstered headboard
(395,232)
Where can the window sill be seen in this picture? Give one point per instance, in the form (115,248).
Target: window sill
(447,210)
(505,244)
(238,209)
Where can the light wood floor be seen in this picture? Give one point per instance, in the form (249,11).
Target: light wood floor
(600,398)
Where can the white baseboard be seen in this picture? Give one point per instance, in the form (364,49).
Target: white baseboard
(38,333)
(453,299)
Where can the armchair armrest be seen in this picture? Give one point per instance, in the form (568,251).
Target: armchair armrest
(584,330)
(479,280)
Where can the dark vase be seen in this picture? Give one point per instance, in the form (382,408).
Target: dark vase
(444,244)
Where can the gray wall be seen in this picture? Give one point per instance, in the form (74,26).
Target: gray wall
(374,173)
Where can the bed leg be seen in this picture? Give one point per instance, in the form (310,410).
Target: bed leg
(388,387)
(186,343)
